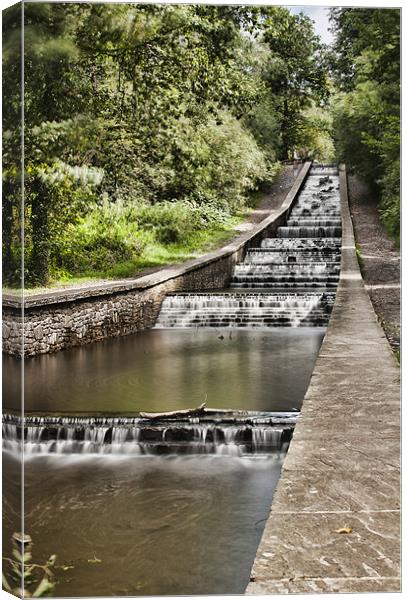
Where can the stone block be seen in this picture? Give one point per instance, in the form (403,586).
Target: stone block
(38,332)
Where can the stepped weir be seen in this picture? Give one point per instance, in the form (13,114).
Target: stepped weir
(234,434)
(289,281)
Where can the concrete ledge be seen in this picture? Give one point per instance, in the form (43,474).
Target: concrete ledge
(342,469)
(76,316)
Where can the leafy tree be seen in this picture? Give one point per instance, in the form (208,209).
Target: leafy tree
(146,112)
(297,75)
(362,33)
(315,135)
(52,91)
(12,146)
(366,63)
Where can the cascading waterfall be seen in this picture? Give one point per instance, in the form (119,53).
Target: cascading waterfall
(290,280)
(324,169)
(311,232)
(297,244)
(317,211)
(246,310)
(255,433)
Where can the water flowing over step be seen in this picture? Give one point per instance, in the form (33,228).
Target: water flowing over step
(311,245)
(317,211)
(279,257)
(289,280)
(245,310)
(307,222)
(311,232)
(324,169)
(256,433)
(294,274)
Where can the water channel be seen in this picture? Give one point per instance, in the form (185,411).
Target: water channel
(175,509)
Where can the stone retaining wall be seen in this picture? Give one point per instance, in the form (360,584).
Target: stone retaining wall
(77,316)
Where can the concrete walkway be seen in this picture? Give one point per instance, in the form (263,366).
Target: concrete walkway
(343,466)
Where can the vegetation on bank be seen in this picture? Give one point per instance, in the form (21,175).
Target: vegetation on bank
(149,127)
(366,108)
(20,570)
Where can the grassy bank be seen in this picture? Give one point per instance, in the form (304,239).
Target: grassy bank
(155,254)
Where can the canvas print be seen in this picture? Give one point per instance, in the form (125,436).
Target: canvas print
(201,299)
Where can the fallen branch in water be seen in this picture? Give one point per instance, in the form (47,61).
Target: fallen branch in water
(199,411)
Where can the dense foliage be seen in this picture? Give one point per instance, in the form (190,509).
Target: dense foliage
(367,109)
(148,126)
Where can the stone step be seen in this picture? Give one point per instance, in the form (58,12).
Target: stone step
(264,258)
(313,222)
(297,243)
(308,232)
(265,277)
(219,324)
(294,267)
(287,285)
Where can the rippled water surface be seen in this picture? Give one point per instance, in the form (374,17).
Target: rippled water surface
(175,525)
(167,370)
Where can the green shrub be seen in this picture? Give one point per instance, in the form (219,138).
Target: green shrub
(356,118)
(170,223)
(118,233)
(216,162)
(368,139)
(388,147)
(176,222)
(315,135)
(106,235)
(263,122)
(55,193)
(390,203)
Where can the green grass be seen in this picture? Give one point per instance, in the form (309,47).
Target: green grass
(155,255)
(359,256)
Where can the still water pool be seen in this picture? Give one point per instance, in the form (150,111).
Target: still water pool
(163,370)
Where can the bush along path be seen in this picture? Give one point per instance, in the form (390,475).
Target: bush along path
(379,259)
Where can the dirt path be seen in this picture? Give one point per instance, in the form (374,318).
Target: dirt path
(277,193)
(380,259)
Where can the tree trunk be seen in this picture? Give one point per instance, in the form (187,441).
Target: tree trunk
(38,272)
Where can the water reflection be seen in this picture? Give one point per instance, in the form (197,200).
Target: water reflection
(167,370)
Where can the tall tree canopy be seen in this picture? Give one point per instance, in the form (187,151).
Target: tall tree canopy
(297,74)
(366,63)
(148,123)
